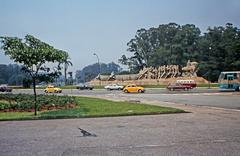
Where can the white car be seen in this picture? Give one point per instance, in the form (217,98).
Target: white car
(113,87)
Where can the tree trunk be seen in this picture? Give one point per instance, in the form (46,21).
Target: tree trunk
(35,96)
(65,73)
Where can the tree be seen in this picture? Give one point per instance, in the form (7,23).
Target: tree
(11,74)
(219,51)
(34,55)
(216,50)
(67,63)
(91,71)
(167,44)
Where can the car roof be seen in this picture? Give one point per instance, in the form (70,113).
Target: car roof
(131,85)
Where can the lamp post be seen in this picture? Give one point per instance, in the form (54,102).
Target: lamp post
(209,69)
(98,68)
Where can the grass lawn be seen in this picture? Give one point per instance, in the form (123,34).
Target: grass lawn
(92,107)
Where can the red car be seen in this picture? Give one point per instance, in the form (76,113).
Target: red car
(178,86)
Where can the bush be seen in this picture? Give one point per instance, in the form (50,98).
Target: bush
(25,102)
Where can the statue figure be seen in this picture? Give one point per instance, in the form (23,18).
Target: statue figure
(102,77)
(112,76)
(150,73)
(190,69)
(155,73)
(163,71)
(176,71)
(159,71)
(143,73)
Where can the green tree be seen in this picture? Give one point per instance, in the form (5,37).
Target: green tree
(167,44)
(216,50)
(219,51)
(91,71)
(67,63)
(34,55)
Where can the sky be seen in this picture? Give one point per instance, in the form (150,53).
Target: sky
(104,27)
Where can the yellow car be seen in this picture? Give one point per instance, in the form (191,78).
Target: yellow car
(52,89)
(132,88)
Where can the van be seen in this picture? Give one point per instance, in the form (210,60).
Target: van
(190,83)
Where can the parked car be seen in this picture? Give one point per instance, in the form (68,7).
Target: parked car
(113,87)
(178,86)
(52,89)
(5,88)
(83,86)
(132,88)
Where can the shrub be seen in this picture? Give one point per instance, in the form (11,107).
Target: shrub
(25,102)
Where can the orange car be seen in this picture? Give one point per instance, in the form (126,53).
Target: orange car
(132,88)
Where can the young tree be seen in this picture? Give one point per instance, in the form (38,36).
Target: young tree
(34,55)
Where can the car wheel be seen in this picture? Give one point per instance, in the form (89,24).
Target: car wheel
(172,89)
(46,91)
(125,91)
(139,91)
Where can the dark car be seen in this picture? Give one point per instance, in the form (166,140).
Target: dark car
(178,86)
(5,88)
(83,86)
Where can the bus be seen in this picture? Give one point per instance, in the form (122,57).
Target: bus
(229,80)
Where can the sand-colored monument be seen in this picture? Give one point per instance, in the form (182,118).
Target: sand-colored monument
(153,75)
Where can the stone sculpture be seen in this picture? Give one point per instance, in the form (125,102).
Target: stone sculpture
(161,72)
(190,70)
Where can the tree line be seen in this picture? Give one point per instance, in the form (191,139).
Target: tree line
(12,74)
(216,50)
(91,71)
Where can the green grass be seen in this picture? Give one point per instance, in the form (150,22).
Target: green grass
(16,115)
(93,107)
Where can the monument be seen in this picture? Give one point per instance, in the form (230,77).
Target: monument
(154,75)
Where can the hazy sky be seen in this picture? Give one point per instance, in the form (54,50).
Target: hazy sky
(84,27)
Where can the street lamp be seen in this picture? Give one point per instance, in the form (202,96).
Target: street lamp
(98,68)
(209,69)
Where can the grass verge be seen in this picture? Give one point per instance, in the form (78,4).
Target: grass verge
(92,107)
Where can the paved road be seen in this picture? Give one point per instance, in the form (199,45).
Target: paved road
(198,96)
(204,132)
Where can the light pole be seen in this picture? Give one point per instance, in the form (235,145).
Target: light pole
(209,69)
(98,68)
